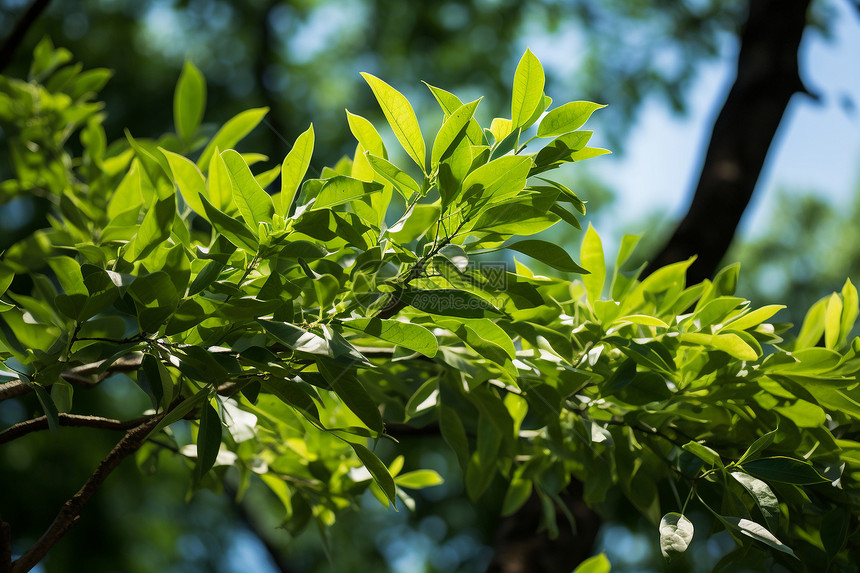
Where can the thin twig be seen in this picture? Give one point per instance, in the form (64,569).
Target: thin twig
(41,423)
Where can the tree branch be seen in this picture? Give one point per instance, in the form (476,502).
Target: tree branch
(70,512)
(85,375)
(41,423)
(767,78)
(10,46)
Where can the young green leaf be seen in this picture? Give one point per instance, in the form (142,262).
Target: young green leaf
(401,117)
(591,255)
(451,103)
(366,135)
(452,131)
(378,470)
(596,564)
(231,133)
(566,118)
(498,180)
(233,230)
(401,181)
(188,179)
(758,446)
(255,205)
(832,321)
(419,479)
(341,189)
(528,89)
(850,311)
(412,336)
(294,168)
(676,533)
(704,453)
(189,102)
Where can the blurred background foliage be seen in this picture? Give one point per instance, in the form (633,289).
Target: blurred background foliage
(301,58)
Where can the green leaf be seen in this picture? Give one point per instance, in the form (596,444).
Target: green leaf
(188,179)
(850,311)
(731,344)
(454,434)
(155,228)
(451,103)
(499,179)
(813,325)
(528,89)
(832,321)
(596,564)
(834,530)
(208,441)
(61,394)
(291,392)
(160,381)
(761,444)
(412,336)
(566,118)
(452,131)
(181,410)
(754,318)
(676,533)
(449,302)
(189,102)
(591,255)
(231,133)
(342,189)
(294,168)
(401,117)
(48,407)
(377,469)
(404,184)
(68,272)
(763,495)
(517,495)
(704,453)
(255,205)
(233,230)
(785,470)
(548,253)
(366,135)
(758,532)
(419,479)
(349,389)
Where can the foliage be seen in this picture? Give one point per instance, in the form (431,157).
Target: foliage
(283,326)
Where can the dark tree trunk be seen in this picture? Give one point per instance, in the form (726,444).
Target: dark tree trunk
(767,78)
(10,46)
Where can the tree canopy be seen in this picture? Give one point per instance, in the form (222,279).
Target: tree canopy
(290,326)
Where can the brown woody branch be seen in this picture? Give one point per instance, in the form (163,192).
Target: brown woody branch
(41,423)
(70,512)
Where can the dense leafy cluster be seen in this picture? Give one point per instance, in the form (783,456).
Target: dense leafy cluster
(283,322)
